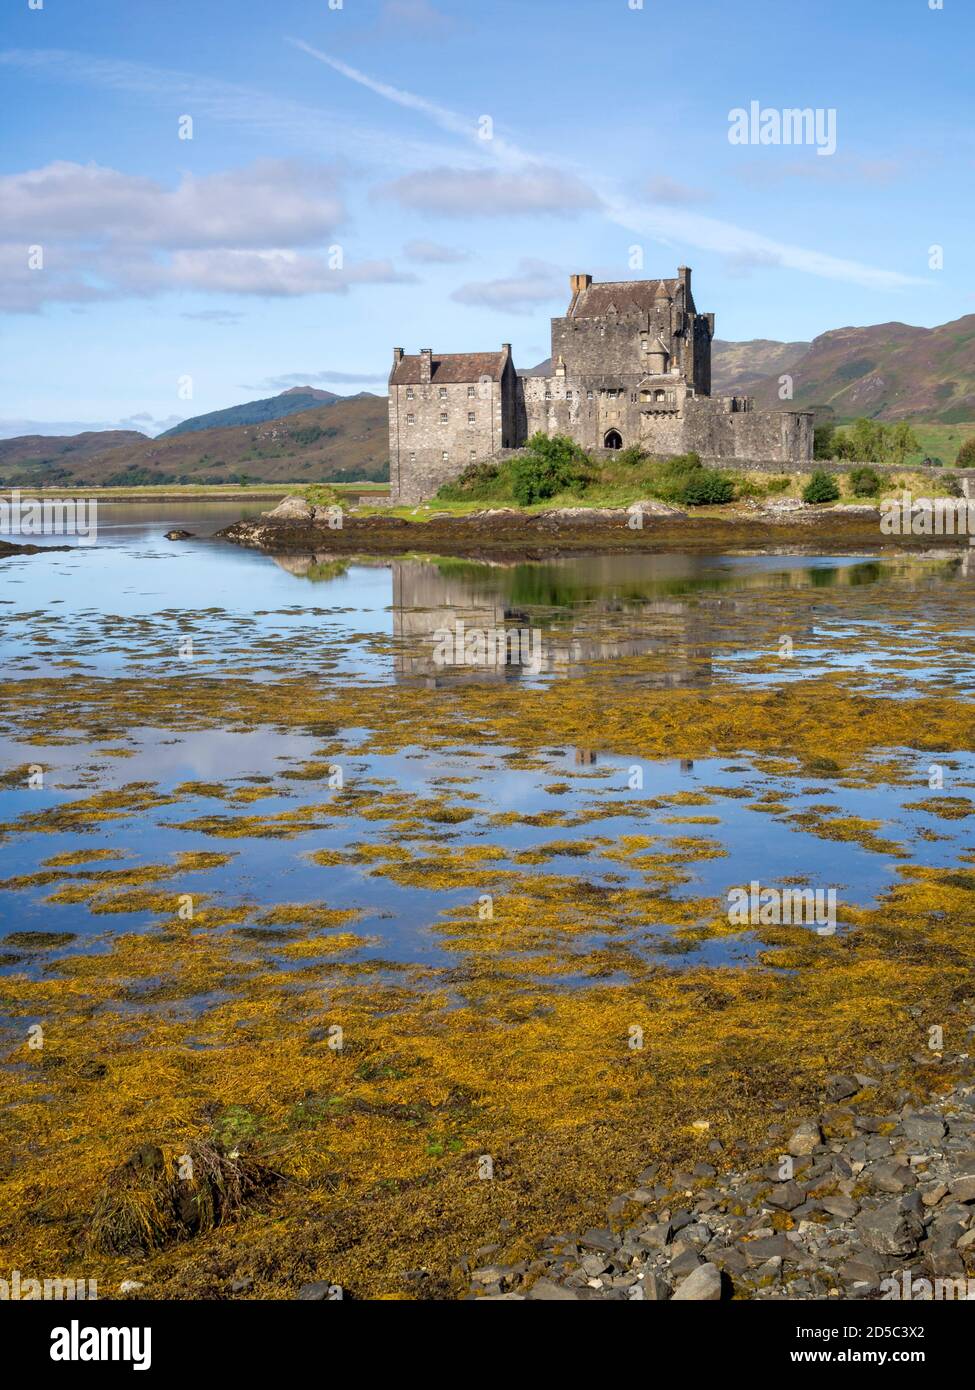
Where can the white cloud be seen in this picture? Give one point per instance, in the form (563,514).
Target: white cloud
(432,253)
(273,272)
(665,190)
(263,230)
(271,202)
(491,192)
(536,283)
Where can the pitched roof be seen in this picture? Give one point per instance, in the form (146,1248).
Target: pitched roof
(450,367)
(622,296)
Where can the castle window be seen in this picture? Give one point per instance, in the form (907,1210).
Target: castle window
(411,419)
(589,395)
(471,392)
(471,417)
(473,456)
(661,396)
(443,417)
(443,393)
(445,456)
(412,457)
(410,393)
(548,395)
(568,395)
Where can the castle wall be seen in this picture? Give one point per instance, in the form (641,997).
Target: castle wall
(432,450)
(629,357)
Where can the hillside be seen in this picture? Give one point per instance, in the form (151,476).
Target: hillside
(59,457)
(344,441)
(890,371)
(291,402)
(737,368)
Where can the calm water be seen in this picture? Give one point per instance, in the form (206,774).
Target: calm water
(124,608)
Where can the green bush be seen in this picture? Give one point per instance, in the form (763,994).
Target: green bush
(548,466)
(685,482)
(865,481)
(632,456)
(966,454)
(706,488)
(952,486)
(821,488)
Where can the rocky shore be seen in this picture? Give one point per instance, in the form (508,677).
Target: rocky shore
(859,1203)
(294,527)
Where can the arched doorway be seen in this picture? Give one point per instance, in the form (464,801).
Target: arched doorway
(613,440)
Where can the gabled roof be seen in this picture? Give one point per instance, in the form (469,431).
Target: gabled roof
(450,367)
(621,296)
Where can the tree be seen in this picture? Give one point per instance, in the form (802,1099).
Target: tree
(966,454)
(821,487)
(864,481)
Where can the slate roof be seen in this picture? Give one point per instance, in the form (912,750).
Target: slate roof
(623,295)
(449,368)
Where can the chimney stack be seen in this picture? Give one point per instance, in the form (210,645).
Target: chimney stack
(578,283)
(426,365)
(684,275)
(397,356)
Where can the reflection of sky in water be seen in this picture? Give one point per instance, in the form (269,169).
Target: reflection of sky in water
(122,607)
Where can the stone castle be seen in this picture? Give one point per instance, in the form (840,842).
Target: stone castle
(631,365)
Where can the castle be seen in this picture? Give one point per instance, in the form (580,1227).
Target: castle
(631,365)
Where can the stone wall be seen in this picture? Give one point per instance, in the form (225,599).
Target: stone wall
(442,438)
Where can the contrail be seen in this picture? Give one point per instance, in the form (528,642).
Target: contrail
(705,233)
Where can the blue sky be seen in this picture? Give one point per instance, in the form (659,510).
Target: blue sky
(338,196)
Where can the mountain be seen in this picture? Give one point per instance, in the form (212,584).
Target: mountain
(347,440)
(737,368)
(890,371)
(291,402)
(58,458)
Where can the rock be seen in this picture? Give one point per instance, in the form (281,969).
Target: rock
(128,1286)
(649,506)
(291,509)
(889,1176)
(241,1285)
(179,535)
(786,1195)
(703,1285)
(963,1189)
(652,1288)
(888,1230)
(805,1139)
(923,1130)
(756,1252)
(841,1087)
(547,1291)
(844,1207)
(684,1263)
(320,1292)
(604,1241)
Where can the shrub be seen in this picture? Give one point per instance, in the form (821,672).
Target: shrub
(548,466)
(865,481)
(705,487)
(821,488)
(631,457)
(321,495)
(952,486)
(966,454)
